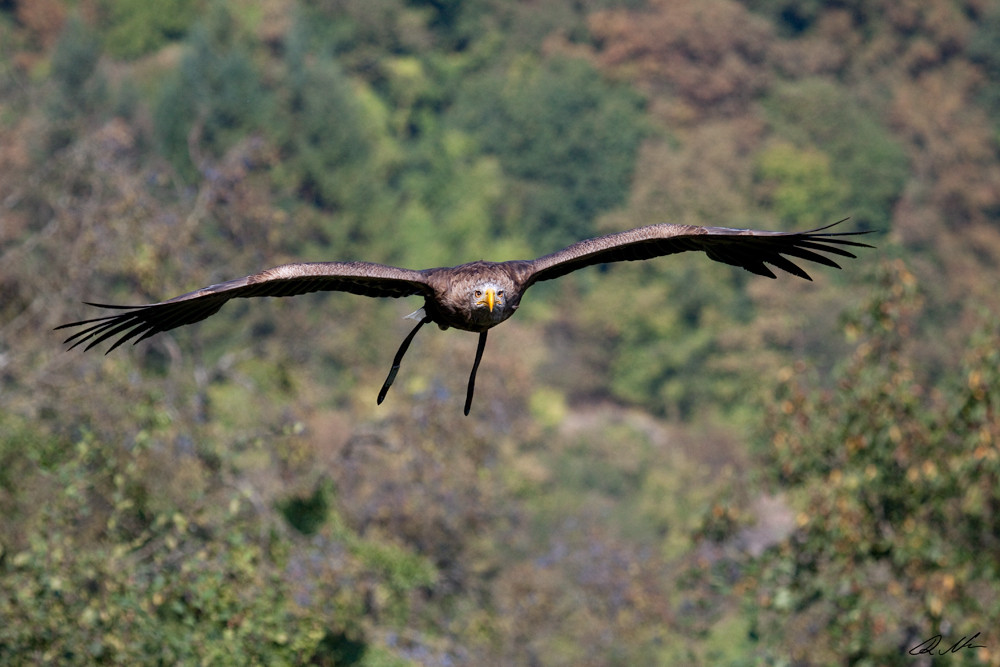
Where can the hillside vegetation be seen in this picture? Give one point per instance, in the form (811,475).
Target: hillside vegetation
(668,462)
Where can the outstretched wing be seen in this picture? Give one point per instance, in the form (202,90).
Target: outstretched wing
(140,322)
(748,248)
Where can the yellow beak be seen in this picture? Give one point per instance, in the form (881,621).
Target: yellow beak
(491,298)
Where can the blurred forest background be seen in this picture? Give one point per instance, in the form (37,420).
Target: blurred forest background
(671,462)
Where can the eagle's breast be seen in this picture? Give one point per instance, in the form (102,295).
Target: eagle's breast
(454,287)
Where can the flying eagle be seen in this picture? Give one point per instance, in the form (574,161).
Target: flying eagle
(475,296)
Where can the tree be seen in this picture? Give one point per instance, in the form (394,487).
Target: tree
(865,167)
(213,99)
(896,486)
(565,135)
(135,27)
(713,54)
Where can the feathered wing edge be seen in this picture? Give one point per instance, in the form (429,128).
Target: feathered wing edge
(749,249)
(141,322)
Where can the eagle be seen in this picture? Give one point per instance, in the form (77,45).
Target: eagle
(479,295)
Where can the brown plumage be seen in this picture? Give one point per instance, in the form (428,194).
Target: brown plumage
(475,296)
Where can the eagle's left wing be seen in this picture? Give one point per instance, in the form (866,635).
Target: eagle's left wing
(750,249)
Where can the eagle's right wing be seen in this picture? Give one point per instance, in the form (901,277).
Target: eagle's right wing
(141,322)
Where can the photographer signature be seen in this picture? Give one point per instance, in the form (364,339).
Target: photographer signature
(928,646)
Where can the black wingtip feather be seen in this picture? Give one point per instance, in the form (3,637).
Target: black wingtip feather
(758,268)
(787,265)
(822,247)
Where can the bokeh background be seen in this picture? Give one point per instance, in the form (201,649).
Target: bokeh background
(669,462)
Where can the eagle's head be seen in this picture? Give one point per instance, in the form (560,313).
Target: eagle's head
(490,302)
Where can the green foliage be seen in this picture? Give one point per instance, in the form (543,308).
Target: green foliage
(605,517)
(229,492)
(79,86)
(214,97)
(867,167)
(661,350)
(307,515)
(75,59)
(136,27)
(895,486)
(361,33)
(104,575)
(799,185)
(792,16)
(665,346)
(450,197)
(393,179)
(568,138)
(119,566)
(982,49)
(494,26)
(320,129)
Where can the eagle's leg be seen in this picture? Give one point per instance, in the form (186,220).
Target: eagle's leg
(399,358)
(475,367)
